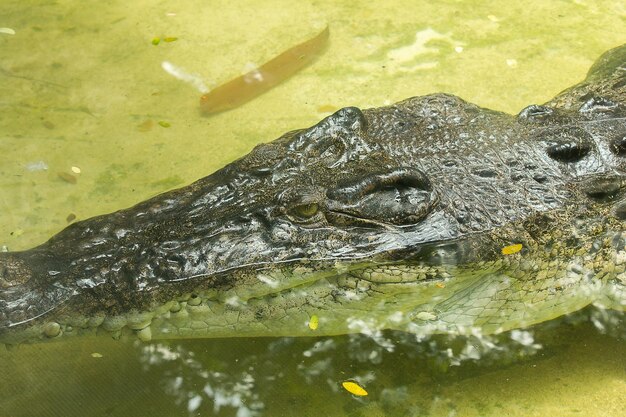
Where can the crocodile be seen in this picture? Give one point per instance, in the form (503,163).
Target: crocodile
(431,215)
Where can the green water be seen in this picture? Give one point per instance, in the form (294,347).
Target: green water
(82,86)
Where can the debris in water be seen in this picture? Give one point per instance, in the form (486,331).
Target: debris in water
(242,89)
(75,170)
(7,31)
(354,388)
(511,249)
(164,123)
(70,217)
(170,39)
(314,322)
(156,41)
(96,355)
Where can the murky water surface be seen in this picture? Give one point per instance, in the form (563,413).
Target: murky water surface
(90,122)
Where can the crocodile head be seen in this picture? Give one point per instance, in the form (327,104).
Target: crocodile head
(430,215)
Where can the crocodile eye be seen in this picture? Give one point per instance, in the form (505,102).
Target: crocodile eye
(304,211)
(303,205)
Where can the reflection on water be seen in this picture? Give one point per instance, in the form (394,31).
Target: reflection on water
(192,381)
(274,374)
(280,376)
(535,371)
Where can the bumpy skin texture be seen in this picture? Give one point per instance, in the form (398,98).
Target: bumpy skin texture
(378,205)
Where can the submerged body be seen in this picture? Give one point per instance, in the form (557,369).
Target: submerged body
(431,215)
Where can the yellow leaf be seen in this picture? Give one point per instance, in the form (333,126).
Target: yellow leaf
(511,249)
(354,388)
(314,322)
